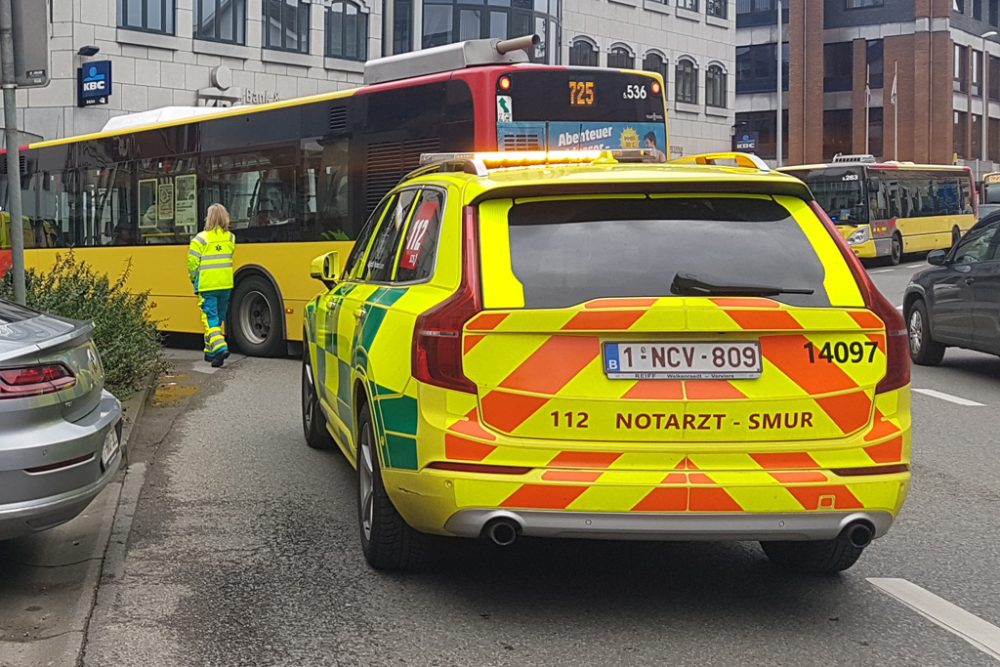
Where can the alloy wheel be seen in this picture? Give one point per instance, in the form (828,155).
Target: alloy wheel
(366,486)
(916,331)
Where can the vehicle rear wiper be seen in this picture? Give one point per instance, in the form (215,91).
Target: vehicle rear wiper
(686,284)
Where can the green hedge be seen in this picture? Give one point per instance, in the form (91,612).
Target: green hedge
(124,331)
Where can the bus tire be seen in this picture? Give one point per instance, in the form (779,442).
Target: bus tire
(896,249)
(256,318)
(956,236)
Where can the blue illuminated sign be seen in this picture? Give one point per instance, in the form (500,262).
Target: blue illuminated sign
(93,83)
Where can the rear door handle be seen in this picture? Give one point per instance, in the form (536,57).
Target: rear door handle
(969,280)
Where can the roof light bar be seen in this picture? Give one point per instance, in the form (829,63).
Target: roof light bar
(500,160)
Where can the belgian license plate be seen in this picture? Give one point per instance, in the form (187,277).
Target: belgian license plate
(112,443)
(682,361)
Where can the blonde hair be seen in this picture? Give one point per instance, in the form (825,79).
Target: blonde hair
(217,218)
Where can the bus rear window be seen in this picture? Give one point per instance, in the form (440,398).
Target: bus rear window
(571,251)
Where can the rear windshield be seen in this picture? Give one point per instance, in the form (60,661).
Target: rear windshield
(10,313)
(570,251)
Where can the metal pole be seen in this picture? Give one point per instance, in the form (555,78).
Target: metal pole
(16,225)
(868,95)
(986,104)
(895,110)
(781,120)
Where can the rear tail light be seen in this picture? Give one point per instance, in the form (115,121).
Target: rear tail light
(891,469)
(897,349)
(437,335)
(34,380)
(454,466)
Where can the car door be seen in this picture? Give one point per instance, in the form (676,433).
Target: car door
(954,291)
(362,305)
(335,330)
(986,295)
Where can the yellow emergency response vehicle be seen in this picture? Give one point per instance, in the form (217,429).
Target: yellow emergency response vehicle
(585,345)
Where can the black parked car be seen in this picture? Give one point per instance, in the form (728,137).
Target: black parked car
(956,302)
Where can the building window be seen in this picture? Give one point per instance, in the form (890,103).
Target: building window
(148,15)
(449,21)
(759,12)
(876,63)
(688,4)
(995,13)
(961,80)
(976,150)
(958,6)
(286,25)
(977,73)
(977,9)
(620,57)
(715,87)
(221,21)
(716,8)
(862,4)
(875,131)
(757,68)
(765,124)
(686,81)
(346,31)
(402,26)
(583,53)
(655,62)
(838,65)
(994,78)
(837,128)
(959,134)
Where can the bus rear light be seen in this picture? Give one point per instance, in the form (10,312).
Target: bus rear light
(504,83)
(655,87)
(897,348)
(34,380)
(437,335)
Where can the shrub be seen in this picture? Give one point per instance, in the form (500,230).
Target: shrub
(124,332)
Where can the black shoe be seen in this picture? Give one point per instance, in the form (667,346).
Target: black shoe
(219,360)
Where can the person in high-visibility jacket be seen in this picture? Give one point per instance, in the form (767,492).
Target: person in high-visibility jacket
(210,267)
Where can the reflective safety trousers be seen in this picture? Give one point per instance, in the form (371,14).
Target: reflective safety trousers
(210,260)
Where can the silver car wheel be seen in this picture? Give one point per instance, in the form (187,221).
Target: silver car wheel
(916,331)
(366,478)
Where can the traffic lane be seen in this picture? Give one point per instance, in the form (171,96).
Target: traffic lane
(892,280)
(244,550)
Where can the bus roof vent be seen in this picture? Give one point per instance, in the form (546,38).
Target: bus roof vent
(470,53)
(867,159)
(161,115)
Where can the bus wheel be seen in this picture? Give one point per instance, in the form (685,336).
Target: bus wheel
(255,318)
(896,251)
(956,236)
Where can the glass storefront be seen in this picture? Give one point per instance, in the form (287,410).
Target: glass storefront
(448,21)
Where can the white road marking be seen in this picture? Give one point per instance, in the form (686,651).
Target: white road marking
(983,635)
(957,400)
(882,271)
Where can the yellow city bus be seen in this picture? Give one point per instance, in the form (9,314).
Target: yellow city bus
(300,177)
(990,194)
(889,209)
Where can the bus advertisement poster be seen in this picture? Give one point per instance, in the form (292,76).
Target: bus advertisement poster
(568,135)
(165,200)
(186,205)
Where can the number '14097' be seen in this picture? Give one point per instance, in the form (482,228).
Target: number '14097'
(842,352)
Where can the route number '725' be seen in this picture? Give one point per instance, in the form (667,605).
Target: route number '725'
(842,352)
(582,94)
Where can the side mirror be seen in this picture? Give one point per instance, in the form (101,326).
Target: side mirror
(326,268)
(937,257)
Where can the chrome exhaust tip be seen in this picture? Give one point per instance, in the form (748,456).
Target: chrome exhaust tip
(859,534)
(502,532)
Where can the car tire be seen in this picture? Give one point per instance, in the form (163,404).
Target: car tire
(924,350)
(387,541)
(314,425)
(896,249)
(256,318)
(815,557)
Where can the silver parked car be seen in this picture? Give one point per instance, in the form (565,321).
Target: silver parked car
(60,432)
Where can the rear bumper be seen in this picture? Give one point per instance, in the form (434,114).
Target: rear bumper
(700,527)
(60,495)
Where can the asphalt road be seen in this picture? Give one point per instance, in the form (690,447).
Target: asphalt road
(244,551)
